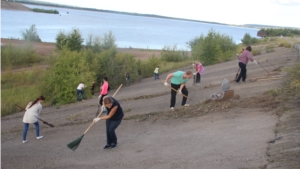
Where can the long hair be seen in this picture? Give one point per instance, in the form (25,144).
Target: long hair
(35,101)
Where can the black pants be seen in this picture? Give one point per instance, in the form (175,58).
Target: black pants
(173,94)
(101,99)
(198,78)
(243,72)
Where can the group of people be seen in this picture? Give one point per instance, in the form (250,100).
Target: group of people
(113,108)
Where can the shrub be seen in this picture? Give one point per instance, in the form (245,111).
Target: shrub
(71,40)
(213,48)
(31,34)
(64,75)
(248,40)
(256,52)
(270,48)
(172,54)
(14,57)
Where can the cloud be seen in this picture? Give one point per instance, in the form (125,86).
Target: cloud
(286,2)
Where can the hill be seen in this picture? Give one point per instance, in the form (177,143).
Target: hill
(254,130)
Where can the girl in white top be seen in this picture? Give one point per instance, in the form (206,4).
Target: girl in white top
(33,110)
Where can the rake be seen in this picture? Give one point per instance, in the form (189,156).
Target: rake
(74,144)
(181,93)
(262,66)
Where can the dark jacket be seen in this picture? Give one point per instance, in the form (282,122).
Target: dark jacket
(119,113)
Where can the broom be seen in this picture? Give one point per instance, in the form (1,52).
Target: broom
(51,125)
(181,93)
(74,144)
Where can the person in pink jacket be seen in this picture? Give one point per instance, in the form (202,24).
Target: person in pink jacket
(103,91)
(243,61)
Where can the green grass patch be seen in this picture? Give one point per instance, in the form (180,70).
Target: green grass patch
(270,48)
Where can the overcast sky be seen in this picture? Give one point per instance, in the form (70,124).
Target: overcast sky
(265,12)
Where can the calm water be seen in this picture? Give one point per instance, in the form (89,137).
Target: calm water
(130,31)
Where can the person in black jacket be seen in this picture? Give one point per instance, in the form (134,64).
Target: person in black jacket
(113,120)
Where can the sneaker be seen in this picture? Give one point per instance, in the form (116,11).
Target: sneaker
(24,141)
(106,147)
(113,146)
(172,108)
(238,82)
(186,105)
(39,137)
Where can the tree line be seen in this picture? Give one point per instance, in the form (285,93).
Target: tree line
(75,62)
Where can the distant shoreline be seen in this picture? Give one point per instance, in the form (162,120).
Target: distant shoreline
(19,6)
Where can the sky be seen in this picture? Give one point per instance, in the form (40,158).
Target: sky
(284,13)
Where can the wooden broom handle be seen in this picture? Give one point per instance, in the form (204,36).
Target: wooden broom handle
(181,93)
(101,111)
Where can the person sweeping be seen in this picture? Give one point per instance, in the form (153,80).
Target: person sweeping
(33,110)
(178,81)
(243,61)
(113,120)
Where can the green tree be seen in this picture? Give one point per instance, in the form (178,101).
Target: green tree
(31,34)
(108,41)
(64,75)
(72,40)
(212,48)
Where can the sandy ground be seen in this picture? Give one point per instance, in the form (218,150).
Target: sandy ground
(247,132)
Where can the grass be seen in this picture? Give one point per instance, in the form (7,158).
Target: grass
(19,88)
(270,48)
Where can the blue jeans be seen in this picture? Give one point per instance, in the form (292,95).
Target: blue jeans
(156,76)
(128,81)
(111,126)
(37,129)
(79,92)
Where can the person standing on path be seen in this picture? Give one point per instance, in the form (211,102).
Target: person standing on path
(178,81)
(199,71)
(103,92)
(139,74)
(243,61)
(156,73)
(113,120)
(127,78)
(33,110)
(80,90)
(93,88)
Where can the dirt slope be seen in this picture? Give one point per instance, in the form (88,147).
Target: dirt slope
(13,6)
(241,133)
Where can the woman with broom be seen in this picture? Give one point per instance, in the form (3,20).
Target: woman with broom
(113,120)
(33,110)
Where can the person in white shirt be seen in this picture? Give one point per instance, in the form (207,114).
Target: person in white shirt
(156,73)
(33,110)
(80,90)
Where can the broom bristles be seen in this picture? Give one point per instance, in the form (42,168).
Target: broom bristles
(74,144)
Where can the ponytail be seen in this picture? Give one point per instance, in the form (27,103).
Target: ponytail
(35,101)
